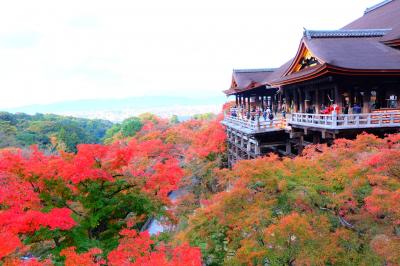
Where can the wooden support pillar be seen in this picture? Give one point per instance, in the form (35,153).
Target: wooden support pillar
(316,139)
(338,99)
(300,100)
(300,145)
(248,148)
(366,99)
(287,101)
(236,100)
(257,149)
(273,103)
(317,104)
(248,103)
(256,101)
(296,100)
(262,102)
(306,100)
(288,147)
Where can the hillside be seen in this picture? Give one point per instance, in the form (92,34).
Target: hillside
(49,131)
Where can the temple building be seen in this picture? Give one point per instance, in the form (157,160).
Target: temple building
(340,83)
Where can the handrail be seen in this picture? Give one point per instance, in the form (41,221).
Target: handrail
(362,120)
(259,123)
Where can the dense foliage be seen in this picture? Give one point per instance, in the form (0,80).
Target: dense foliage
(49,131)
(126,128)
(337,205)
(88,207)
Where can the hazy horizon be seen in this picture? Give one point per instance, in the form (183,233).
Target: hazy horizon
(54,51)
(118,109)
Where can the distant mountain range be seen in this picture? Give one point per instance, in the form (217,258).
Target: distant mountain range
(119,109)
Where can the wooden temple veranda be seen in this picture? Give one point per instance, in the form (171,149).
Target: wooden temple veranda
(339,84)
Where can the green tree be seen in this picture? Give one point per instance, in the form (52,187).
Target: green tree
(174,119)
(7,134)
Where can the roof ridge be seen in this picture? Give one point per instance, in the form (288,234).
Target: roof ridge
(249,70)
(345,33)
(372,8)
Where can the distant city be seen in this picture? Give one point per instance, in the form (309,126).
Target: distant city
(117,110)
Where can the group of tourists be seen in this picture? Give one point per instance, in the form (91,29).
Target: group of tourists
(258,113)
(335,109)
(253,114)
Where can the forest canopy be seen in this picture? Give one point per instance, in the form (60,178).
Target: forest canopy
(337,205)
(50,131)
(333,205)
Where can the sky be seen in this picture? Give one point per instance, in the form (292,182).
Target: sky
(55,50)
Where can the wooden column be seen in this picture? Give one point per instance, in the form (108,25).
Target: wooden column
(237,100)
(366,99)
(280,101)
(288,147)
(299,92)
(257,149)
(295,100)
(300,145)
(248,148)
(306,100)
(262,102)
(317,104)
(338,99)
(287,100)
(273,98)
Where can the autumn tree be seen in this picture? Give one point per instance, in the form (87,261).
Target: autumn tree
(335,205)
(82,200)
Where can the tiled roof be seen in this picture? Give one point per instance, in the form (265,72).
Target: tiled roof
(254,70)
(352,33)
(348,54)
(385,15)
(355,53)
(372,8)
(251,78)
(359,46)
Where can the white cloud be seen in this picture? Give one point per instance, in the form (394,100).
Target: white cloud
(58,50)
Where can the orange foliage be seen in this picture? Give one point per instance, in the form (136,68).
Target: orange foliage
(333,205)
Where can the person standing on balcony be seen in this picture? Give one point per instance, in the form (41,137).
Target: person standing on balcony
(283,110)
(346,109)
(271,118)
(265,114)
(268,111)
(357,109)
(234,113)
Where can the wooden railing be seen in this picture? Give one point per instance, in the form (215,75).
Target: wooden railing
(256,124)
(347,121)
